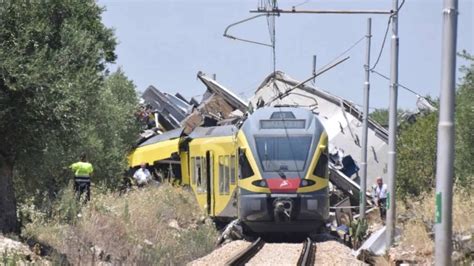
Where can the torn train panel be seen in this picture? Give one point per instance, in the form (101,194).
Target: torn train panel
(219,106)
(342,120)
(226,94)
(171,110)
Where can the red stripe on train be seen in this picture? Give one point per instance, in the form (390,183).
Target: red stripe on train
(283,184)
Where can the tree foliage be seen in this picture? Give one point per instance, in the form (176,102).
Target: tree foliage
(381,116)
(56,99)
(416,155)
(417,143)
(465,125)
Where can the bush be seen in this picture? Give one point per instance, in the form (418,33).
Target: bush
(416,219)
(416,152)
(156,225)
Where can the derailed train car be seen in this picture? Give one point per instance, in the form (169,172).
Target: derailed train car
(271,173)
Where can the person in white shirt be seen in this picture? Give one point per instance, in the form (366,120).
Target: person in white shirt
(379,195)
(142,175)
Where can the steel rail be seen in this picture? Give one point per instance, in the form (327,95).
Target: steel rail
(245,255)
(307,254)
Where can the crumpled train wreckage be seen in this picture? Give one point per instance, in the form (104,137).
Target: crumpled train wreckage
(175,116)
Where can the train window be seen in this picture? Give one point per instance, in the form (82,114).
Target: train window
(224,171)
(321,168)
(203,182)
(232,170)
(197,171)
(226,174)
(193,172)
(282,153)
(282,115)
(221,174)
(245,169)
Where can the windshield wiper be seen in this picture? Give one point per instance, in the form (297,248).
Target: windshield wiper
(282,174)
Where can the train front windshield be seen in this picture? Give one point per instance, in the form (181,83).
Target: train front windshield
(283,153)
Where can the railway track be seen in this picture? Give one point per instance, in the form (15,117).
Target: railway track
(306,257)
(307,254)
(243,257)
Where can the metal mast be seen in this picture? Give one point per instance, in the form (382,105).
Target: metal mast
(445,151)
(392,128)
(365,124)
(393,97)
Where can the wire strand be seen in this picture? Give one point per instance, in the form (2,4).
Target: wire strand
(302,3)
(383,45)
(386,34)
(398,84)
(344,52)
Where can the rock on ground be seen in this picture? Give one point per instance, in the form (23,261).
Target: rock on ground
(10,248)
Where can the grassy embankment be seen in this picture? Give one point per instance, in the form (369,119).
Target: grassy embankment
(416,218)
(156,225)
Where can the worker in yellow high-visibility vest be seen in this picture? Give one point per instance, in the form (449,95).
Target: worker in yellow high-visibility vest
(82,177)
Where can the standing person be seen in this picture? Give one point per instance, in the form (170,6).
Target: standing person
(82,177)
(379,195)
(142,175)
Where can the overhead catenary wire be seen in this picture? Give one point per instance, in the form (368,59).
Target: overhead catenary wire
(385,36)
(272,30)
(382,46)
(302,3)
(345,51)
(398,84)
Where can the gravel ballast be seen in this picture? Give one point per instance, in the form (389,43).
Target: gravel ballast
(221,255)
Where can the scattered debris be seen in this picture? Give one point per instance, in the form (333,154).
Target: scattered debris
(233,231)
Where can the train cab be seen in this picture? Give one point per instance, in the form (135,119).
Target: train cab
(283,171)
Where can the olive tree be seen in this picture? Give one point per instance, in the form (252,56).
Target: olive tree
(52,60)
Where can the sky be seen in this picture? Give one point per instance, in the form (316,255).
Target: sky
(165,43)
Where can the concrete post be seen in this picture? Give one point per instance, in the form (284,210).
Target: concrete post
(392,128)
(445,151)
(365,125)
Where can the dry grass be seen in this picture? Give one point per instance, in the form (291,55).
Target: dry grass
(416,219)
(150,226)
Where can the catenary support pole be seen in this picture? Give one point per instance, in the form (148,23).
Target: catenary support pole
(365,124)
(392,129)
(445,150)
(314,68)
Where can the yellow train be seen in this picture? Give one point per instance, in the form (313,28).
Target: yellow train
(271,173)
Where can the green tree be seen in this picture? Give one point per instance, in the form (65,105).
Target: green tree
(381,116)
(416,155)
(110,135)
(465,125)
(417,143)
(52,58)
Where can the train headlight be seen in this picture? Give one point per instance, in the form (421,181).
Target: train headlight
(260,183)
(306,183)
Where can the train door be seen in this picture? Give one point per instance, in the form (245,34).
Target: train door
(226,184)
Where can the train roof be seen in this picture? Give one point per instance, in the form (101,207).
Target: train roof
(268,120)
(219,131)
(172,134)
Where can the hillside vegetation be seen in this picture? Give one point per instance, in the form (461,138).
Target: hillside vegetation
(57,100)
(151,226)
